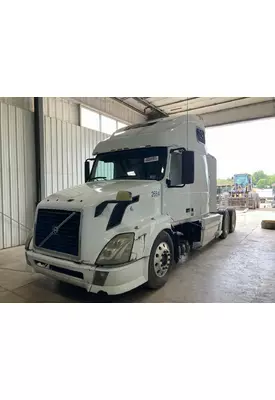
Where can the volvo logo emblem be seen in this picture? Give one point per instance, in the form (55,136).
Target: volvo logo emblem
(55,230)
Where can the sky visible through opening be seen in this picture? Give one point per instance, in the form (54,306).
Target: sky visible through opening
(243,147)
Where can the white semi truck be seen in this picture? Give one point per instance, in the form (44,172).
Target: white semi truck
(149,197)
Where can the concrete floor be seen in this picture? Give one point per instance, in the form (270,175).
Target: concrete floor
(238,269)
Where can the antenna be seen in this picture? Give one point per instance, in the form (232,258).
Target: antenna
(187,121)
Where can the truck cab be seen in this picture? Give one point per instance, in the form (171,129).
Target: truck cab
(149,196)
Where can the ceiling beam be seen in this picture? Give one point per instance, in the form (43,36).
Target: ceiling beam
(210,105)
(128,105)
(179,101)
(147,104)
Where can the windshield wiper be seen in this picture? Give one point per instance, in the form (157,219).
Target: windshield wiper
(125,176)
(98,177)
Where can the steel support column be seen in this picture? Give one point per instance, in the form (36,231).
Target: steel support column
(39,148)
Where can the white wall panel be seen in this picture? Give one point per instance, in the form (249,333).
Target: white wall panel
(61,108)
(5,169)
(66,148)
(54,154)
(26,103)
(74,156)
(17,174)
(21,174)
(69,151)
(59,137)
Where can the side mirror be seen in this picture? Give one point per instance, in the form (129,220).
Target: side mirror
(87,168)
(188,167)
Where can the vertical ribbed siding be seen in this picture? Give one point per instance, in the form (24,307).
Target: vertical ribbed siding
(17,174)
(21,173)
(5,168)
(61,108)
(25,103)
(66,148)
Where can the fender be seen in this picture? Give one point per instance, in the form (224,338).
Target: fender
(150,229)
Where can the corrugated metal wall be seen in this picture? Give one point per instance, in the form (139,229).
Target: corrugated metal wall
(27,103)
(63,109)
(67,146)
(17,174)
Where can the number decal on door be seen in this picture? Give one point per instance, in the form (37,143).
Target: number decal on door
(155,193)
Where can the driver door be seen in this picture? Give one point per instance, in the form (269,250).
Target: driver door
(176,199)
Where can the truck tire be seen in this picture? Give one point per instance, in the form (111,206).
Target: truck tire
(225,223)
(232,219)
(266,224)
(160,261)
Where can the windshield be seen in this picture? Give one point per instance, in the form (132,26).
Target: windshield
(143,164)
(242,180)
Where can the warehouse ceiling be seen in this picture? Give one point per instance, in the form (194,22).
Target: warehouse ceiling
(214,110)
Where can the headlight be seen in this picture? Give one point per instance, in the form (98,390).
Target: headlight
(117,251)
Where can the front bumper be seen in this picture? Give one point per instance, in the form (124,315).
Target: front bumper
(94,279)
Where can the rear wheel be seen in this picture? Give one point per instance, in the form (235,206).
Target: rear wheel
(160,261)
(225,223)
(232,219)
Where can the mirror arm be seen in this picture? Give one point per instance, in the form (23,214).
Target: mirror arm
(177,149)
(86,166)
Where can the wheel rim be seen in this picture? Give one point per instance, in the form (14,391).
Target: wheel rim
(162,259)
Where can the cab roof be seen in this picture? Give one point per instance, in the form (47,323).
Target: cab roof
(160,132)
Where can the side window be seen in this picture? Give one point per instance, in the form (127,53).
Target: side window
(89,119)
(105,170)
(108,125)
(175,169)
(120,125)
(200,135)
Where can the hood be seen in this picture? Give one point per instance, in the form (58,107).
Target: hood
(93,193)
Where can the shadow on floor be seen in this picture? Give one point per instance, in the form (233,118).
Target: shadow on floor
(79,295)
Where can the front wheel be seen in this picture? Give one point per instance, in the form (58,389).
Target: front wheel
(160,261)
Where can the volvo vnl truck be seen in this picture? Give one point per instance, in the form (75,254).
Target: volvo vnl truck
(148,199)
